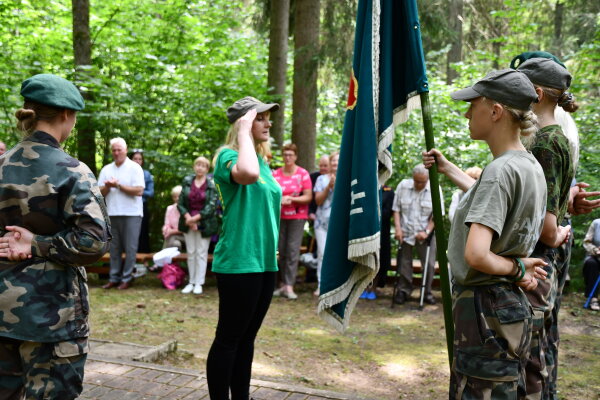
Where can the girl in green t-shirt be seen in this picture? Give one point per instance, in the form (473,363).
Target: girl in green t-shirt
(245,261)
(496,225)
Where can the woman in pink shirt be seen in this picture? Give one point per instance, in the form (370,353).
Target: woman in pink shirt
(297,193)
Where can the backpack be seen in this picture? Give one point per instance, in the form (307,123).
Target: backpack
(172,276)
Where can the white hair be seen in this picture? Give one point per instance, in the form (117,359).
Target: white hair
(176,190)
(420,169)
(569,128)
(119,140)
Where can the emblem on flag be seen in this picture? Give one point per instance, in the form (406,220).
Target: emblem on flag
(352,92)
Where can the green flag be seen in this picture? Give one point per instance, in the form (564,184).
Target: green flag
(387,76)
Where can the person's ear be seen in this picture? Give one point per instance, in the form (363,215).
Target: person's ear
(540,93)
(497,111)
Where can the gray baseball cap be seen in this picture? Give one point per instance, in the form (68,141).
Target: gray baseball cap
(506,86)
(242,106)
(546,72)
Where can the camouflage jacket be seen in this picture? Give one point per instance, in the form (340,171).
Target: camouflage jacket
(45,298)
(209,222)
(551,148)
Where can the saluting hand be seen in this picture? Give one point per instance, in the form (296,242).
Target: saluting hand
(245,122)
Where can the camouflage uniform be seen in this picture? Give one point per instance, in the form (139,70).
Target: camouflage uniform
(491,342)
(551,148)
(551,324)
(44,300)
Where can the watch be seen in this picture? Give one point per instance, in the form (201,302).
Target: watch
(427,231)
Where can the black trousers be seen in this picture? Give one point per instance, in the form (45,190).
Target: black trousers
(243,303)
(591,269)
(144,239)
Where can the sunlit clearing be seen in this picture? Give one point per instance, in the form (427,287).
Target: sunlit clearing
(315,332)
(263,369)
(401,368)
(401,320)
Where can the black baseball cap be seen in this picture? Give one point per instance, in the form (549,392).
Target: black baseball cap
(506,86)
(242,106)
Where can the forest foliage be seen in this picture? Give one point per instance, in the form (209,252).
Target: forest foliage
(164,71)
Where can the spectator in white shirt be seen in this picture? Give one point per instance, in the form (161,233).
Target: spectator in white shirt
(413,222)
(122,184)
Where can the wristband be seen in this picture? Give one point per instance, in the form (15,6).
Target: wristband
(517,269)
(520,270)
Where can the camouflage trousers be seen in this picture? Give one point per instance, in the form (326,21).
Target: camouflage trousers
(491,342)
(542,360)
(31,370)
(551,319)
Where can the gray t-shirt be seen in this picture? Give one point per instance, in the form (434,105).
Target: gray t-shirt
(509,198)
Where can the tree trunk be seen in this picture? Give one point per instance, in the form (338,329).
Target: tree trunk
(558,22)
(277,69)
(306,65)
(82,51)
(496,46)
(455,53)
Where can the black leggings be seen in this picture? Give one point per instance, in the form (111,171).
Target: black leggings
(243,303)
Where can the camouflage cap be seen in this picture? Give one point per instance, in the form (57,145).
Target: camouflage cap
(52,90)
(505,86)
(242,106)
(546,72)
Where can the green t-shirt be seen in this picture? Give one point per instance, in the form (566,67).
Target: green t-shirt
(509,198)
(248,241)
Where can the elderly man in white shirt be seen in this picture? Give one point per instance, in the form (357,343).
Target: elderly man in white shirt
(413,221)
(122,184)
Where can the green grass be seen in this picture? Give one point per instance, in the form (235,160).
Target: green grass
(386,353)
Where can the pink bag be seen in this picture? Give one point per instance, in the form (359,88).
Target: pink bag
(172,276)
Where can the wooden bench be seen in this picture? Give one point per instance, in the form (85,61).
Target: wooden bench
(146,258)
(417,273)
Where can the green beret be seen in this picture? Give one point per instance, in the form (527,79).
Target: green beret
(52,90)
(521,58)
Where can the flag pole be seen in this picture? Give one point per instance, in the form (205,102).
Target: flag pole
(440,236)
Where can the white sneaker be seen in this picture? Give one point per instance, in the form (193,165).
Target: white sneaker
(278,292)
(289,295)
(594,305)
(198,289)
(188,288)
